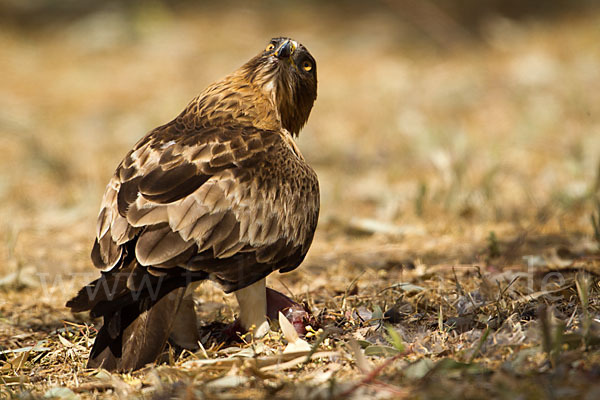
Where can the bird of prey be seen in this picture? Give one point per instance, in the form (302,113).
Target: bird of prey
(220,193)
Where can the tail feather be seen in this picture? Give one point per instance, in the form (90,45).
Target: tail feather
(139,312)
(108,287)
(136,334)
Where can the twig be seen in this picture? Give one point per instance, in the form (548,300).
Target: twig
(348,288)
(92,386)
(286,287)
(457,283)
(480,344)
(371,377)
(316,345)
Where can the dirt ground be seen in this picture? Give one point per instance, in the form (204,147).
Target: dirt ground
(455,256)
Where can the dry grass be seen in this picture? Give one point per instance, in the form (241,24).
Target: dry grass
(457,194)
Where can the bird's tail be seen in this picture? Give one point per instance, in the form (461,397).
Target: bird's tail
(139,312)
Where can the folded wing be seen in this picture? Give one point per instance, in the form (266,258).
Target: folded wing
(234,202)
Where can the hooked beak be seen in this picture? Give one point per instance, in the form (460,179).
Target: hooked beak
(285,50)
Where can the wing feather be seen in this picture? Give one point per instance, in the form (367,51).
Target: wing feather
(143,212)
(185,213)
(230,244)
(106,253)
(219,232)
(204,225)
(167,186)
(158,244)
(192,198)
(103,224)
(121,232)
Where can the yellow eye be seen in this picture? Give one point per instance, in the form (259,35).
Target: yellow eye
(270,47)
(307,66)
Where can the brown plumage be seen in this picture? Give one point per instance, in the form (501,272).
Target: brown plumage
(220,193)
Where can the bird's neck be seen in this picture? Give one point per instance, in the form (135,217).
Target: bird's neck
(235,100)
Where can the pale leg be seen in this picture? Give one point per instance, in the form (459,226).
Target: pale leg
(253,308)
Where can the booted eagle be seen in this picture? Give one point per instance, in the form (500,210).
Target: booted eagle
(220,193)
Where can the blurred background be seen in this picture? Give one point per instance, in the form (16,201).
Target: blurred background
(440,127)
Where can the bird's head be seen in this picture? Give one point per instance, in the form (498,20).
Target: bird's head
(287,72)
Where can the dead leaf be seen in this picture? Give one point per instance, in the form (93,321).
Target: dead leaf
(295,344)
(362,363)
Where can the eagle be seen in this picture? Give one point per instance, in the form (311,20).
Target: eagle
(220,193)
